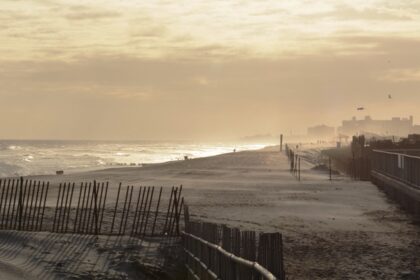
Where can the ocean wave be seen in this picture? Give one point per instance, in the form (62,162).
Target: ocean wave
(28,158)
(14,148)
(45,157)
(121,154)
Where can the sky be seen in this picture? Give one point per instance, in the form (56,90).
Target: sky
(203,70)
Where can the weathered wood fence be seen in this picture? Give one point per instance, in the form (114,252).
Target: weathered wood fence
(220,252)
(88,208)
(398,175)
(402,167)
(294,161)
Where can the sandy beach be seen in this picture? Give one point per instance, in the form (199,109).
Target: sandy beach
(43,255)
(342,229)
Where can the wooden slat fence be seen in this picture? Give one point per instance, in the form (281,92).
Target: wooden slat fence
(294,161)
(220,252)
(89,208)
(402,167)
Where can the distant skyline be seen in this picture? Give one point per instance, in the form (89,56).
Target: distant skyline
(203,70)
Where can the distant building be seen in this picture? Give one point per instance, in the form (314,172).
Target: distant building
(394,126)
(321,132)
(415,129)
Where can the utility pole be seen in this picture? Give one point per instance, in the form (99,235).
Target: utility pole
(329,161)
(281,142)
(299,169)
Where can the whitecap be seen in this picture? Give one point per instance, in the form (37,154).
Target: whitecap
(120,154)
(13,147)
(28,158)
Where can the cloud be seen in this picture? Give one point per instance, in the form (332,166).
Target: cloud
(402,75)
(79,12)
(198,29)
(200,67)
(348,12)
(92,15)
(152,31)
(133,97)
(129,76)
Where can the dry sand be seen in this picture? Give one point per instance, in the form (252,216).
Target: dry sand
(332,230)
(48,256)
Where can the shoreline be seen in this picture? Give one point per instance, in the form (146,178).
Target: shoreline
(128,165)
(143,166)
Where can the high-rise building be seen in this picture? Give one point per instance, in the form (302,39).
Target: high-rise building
(393,127)
(321,132)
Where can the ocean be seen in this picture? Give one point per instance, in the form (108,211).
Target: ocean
(40,157)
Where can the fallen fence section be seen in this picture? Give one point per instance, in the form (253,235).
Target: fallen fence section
(220,252)
(89,208)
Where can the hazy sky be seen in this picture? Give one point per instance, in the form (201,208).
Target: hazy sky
(191,69)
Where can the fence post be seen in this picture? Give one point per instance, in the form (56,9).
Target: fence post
(281,142)
(128,210)
(100,205)
(12,216)
(143,210)
(169,208)
(89,225)
(177,208)
(136,211)
(148,211)
(63,220)
(20,203)
(171,211)
(299,168)
(116,207)
(156,212)
(5,205)
(329,167)
(43,207)
(82,217)
(95,209)
(39,206)
(123,213)
(10,202)
(1,200)
(56,207)
(270,253)
(103,206)
(77,208)
(236,250)
(249,252)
